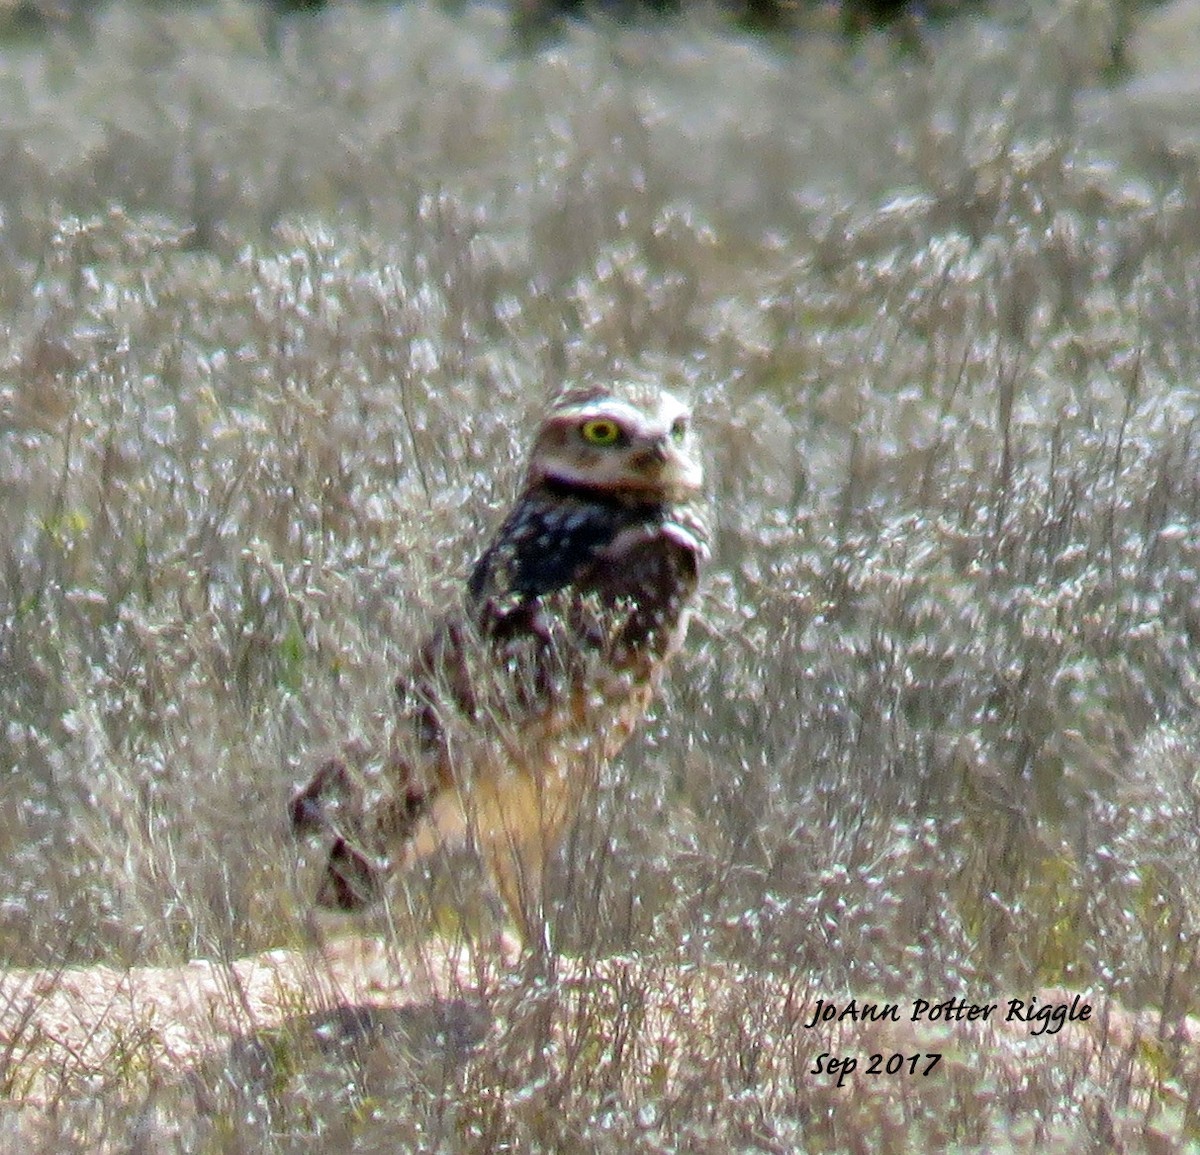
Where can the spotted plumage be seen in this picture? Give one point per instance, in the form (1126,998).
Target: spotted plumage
(521,695)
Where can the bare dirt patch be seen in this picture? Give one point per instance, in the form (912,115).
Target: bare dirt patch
(78,1033)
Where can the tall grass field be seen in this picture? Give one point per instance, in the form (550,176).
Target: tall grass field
(280,299)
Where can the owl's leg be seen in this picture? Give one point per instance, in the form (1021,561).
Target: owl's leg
(519,871)
(500,821)
(517,821)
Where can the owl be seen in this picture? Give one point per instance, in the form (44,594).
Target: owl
(521,695)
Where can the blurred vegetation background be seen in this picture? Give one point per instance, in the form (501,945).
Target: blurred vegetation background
(281,289)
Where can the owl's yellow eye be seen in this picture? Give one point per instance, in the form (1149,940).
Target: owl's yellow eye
(601,431)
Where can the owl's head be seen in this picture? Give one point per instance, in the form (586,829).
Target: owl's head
(632,441)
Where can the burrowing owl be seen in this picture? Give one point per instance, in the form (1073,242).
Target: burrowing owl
(518,699)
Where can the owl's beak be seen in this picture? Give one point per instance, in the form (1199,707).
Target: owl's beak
(662,465)
(654,457)
(660,450)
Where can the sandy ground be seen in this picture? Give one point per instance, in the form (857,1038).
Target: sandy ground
(78,1033)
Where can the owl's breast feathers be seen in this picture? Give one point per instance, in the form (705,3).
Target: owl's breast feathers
(616,574)
(549,538)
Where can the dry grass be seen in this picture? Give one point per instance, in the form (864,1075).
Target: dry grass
(506,1058)
(276,316)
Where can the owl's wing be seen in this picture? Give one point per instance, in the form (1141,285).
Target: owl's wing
(361,805)
(649,573)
